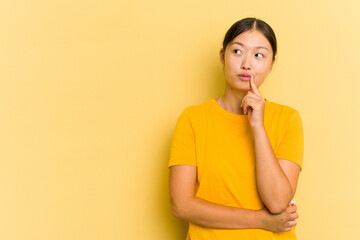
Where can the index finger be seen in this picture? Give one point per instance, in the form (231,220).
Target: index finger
(253,86)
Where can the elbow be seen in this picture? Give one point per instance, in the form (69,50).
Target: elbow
(178,209)
(176,212)
(278,205)
(277,208)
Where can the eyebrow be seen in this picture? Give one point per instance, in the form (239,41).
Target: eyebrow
(241,44)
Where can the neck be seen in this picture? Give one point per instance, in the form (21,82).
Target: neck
(231,100)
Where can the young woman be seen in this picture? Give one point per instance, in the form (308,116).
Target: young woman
(235,160)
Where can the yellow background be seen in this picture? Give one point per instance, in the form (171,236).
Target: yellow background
(90,92)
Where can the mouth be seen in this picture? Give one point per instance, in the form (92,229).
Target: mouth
(245,77)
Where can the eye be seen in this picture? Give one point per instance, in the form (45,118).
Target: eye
(260,55)
(237,51)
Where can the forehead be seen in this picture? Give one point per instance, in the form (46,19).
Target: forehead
(252,39)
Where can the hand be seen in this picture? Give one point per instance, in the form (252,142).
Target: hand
(281,222)
(254,104)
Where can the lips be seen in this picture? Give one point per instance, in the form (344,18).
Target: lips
(245,77)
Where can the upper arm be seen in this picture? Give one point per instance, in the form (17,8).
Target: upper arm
(182,183)
(290,151)
(292,171)
(183,147)
(291,146)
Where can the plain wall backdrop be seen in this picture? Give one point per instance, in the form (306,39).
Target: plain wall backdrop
(90,92)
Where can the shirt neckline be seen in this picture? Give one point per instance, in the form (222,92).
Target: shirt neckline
(233,116)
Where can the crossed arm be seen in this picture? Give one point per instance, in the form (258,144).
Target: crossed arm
(187,206)
(276,178)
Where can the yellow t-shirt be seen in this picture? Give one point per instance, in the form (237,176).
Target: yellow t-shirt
(221,145)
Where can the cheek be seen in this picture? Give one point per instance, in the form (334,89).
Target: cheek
(229,67)
(262,70)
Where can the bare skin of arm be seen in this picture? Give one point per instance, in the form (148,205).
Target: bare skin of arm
(187,206)
(276,178)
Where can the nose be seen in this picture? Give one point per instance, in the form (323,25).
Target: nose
(245,64)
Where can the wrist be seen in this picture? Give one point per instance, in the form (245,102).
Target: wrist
(262,216)
(260,129)
(250,219)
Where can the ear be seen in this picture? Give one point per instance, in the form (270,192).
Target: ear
(222,56)
(272,65)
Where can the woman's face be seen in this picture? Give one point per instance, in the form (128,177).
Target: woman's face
(249,53)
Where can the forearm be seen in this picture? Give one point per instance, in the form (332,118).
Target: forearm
(208,214)
(274,186)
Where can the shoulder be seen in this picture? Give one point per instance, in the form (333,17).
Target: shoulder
(279,111)
(197,110)
(195,115)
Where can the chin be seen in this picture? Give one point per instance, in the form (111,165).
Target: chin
(240,87)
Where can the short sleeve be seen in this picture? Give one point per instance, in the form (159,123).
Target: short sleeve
(291,146)
(182,150)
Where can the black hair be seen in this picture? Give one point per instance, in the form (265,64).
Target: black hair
(246,24)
